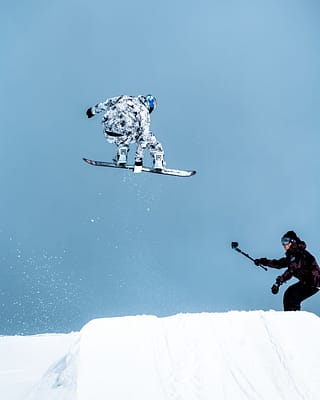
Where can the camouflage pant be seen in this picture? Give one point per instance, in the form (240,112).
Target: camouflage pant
(143,141)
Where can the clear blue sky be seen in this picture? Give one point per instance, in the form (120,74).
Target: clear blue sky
(237,85)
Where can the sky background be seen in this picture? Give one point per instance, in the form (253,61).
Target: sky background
(237,84)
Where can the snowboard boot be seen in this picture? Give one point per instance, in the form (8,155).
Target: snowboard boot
(137,166)
(121,157)
(158,161)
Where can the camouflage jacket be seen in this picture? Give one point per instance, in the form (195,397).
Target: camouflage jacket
(299,263)
(125,115)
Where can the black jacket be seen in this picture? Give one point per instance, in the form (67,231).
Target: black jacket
(299,263)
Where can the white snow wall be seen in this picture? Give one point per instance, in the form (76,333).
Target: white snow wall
(233,356)
(236,355)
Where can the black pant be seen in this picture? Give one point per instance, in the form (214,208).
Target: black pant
(295,294)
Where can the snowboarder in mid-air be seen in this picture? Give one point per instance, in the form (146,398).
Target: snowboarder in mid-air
(126,120)
(301,265)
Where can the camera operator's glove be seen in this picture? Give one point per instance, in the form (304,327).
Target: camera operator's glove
(275,287)
(261,261)
(89,113)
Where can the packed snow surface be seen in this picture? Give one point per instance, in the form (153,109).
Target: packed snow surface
(254,355)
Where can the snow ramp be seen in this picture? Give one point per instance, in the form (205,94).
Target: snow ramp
(253,355)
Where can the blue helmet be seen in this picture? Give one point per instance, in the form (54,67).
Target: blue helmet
(152,102)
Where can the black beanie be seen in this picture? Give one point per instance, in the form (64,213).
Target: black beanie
(291,235)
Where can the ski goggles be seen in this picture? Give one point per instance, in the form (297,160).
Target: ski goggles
(285,241)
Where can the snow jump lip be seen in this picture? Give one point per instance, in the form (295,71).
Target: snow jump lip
(231,355)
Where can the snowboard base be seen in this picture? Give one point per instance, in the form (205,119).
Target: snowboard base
(165,171)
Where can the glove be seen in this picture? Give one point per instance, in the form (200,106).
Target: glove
(275,289)
(261,261)
(89,113)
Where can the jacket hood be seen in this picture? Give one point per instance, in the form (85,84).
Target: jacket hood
(296,247)
(291,235)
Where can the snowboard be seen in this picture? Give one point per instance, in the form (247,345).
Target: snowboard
(165,171)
